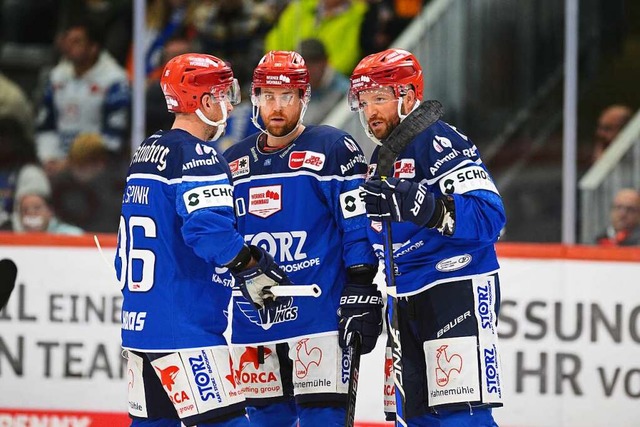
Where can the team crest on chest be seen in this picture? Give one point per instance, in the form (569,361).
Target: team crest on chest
(265,201)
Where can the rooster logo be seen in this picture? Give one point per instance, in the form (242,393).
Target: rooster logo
(446,365)
(168,376)
(305,358)
(132,378)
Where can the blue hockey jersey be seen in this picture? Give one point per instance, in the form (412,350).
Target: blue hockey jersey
(301,203)
(177,225)
(446,162)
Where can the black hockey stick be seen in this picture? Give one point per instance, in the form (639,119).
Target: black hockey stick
(354,372)
(421,118)
(8,274)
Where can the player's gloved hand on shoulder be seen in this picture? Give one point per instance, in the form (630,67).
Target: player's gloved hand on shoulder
(255,282)
(360,313)
(399,200)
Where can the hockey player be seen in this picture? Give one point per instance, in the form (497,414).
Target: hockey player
(297,196)
(430,195)
(175,236)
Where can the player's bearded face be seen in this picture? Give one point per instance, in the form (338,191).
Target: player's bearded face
(280,110)
(380,107)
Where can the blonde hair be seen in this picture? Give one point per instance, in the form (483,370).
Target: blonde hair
(87,148)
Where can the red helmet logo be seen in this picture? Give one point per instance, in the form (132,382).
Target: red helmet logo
(284,69)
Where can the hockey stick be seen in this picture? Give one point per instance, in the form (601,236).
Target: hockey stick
(421,118)
(8,275)
(354,373)
(291,291)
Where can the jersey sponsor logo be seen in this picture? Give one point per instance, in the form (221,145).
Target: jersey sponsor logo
(359,158)
(202,149)
(250,359)
(208,196)
(196,163)
(306,159)
(352,204)
(491,371)
(239,166)
(306,357)
(467,179)
(441,161)
(265,201)
(371,170)
(404,168)
(454,263)
(351,145)
(452,324)
(133,321)
(204,379)
(484,306)
(152,153)
(284,246)
(222,277)
(454,373)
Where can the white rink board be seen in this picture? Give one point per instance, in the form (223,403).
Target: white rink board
(558,371)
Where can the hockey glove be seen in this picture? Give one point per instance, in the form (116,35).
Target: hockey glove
(255,282)
(360,313)
(399,200)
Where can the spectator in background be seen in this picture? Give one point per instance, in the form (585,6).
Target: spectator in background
(89,192)
(86,92)
(166,19)
(610,123)
(337,23)
(19,170)
(624,228)
(15,104)
(327,85)
(234,30)
(37,215)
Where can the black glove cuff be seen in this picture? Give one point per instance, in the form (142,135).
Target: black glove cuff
(241,260)
(361,274)
(444,216)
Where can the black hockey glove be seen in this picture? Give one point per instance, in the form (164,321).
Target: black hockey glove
(398,200)
(256,282)
(360,313)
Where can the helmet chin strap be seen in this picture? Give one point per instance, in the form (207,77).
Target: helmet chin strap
(368,131)
(256,114)
(220,124)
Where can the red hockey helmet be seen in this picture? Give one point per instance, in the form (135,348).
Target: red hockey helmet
(394,68)
(187,77)
(280,68)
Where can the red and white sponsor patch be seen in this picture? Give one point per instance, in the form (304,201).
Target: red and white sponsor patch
(404,168)
(452,364)
(239,166)
(265,201)
(306,159)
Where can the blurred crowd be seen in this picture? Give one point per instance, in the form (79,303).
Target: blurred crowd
(65,136)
